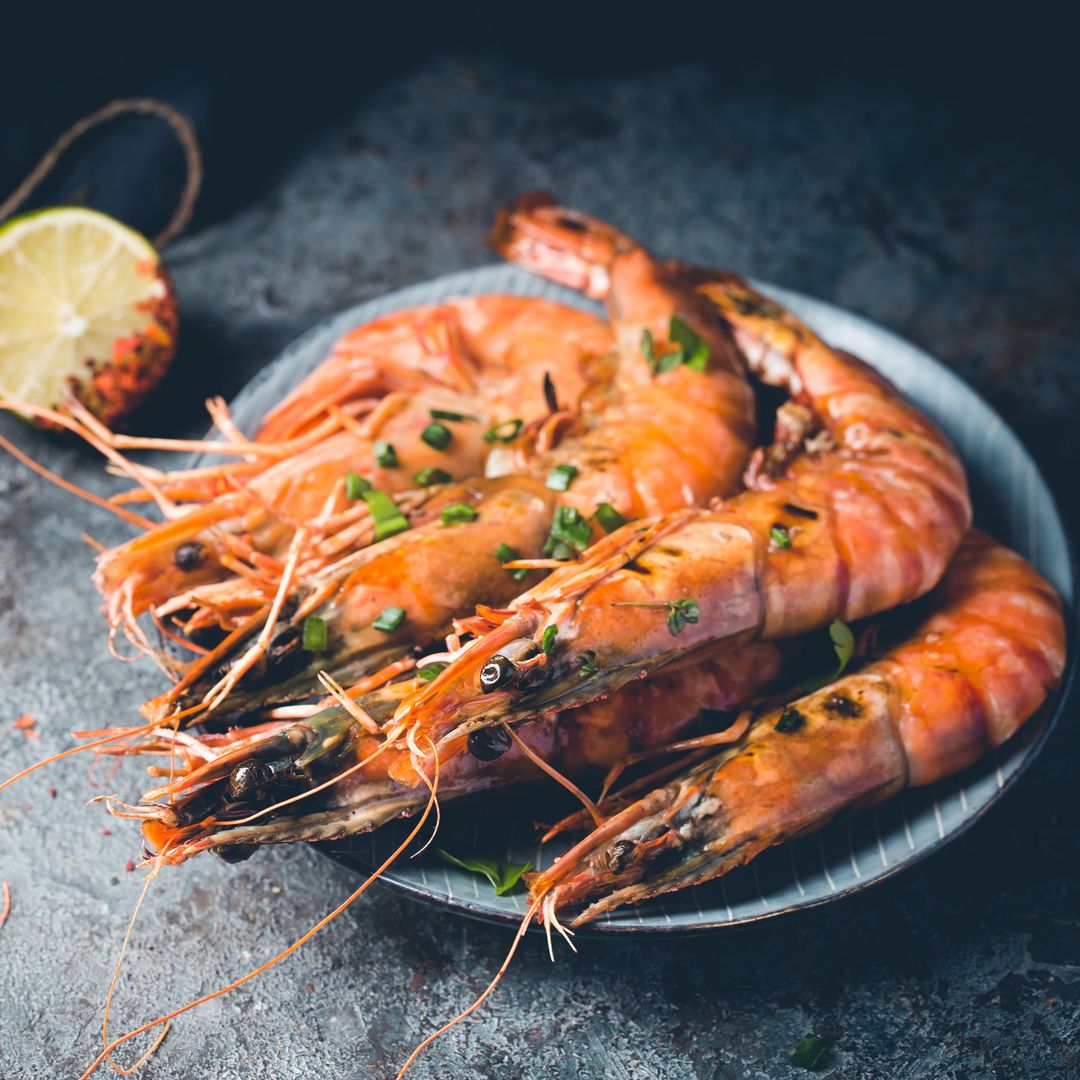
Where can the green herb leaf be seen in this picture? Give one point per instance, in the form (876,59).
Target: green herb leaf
(780,537)
(570,529)
(505,553)
(843,642)
(608,518)
(430,671)
(695,351)
(314,636)
(587,668)
(561,476)
(355,485)
(790,720)
(446,414)
(385,454)
(389,619)
(681,612)
(547,639)
(431,475)
(437,436)
(459,512)
(388,519)
(506,432)
(502,875)
(809,1052)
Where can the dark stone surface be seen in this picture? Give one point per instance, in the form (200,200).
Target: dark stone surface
(961,236)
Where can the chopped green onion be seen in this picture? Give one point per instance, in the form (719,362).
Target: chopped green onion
(502,875)
(587,668)
(506,432)
(390,618)
(437,436)
(388,519)
(431,475)
(505,553)
(688,348)
(790,720)
(809,1052)
(570,532)
(446,414)
(608,518)
(695,351)
(356,485)
(780,537)
(459,512)
(561,477)
(547,639)
(386,455)
(430,671)
(314,635)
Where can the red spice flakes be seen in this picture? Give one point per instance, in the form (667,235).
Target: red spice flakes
(26,724)
(106,832)
(52,793)
(129,866)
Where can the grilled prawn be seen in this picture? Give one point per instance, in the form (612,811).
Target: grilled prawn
(629,455)
(409,395)
(856,507)
(223,802)
(988,648)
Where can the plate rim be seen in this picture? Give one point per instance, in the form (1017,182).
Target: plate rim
(1053,708)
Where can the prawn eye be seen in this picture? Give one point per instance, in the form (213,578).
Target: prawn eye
(248,778)
(618,854)
(235,853)
(490,743)
(497,671)
(189,556)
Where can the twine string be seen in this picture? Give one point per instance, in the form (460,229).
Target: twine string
(181,126)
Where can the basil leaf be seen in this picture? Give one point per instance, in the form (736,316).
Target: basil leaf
(809,1052)
(843,642)
(502,875)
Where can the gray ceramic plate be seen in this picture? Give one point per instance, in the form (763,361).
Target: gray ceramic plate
(1012,501)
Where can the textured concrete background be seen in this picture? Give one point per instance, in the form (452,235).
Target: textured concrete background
(955,236)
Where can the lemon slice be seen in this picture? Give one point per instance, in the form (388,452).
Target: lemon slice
(86,308)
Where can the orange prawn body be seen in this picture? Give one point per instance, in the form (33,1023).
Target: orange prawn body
(483,358)
(861,518)
(989,648)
